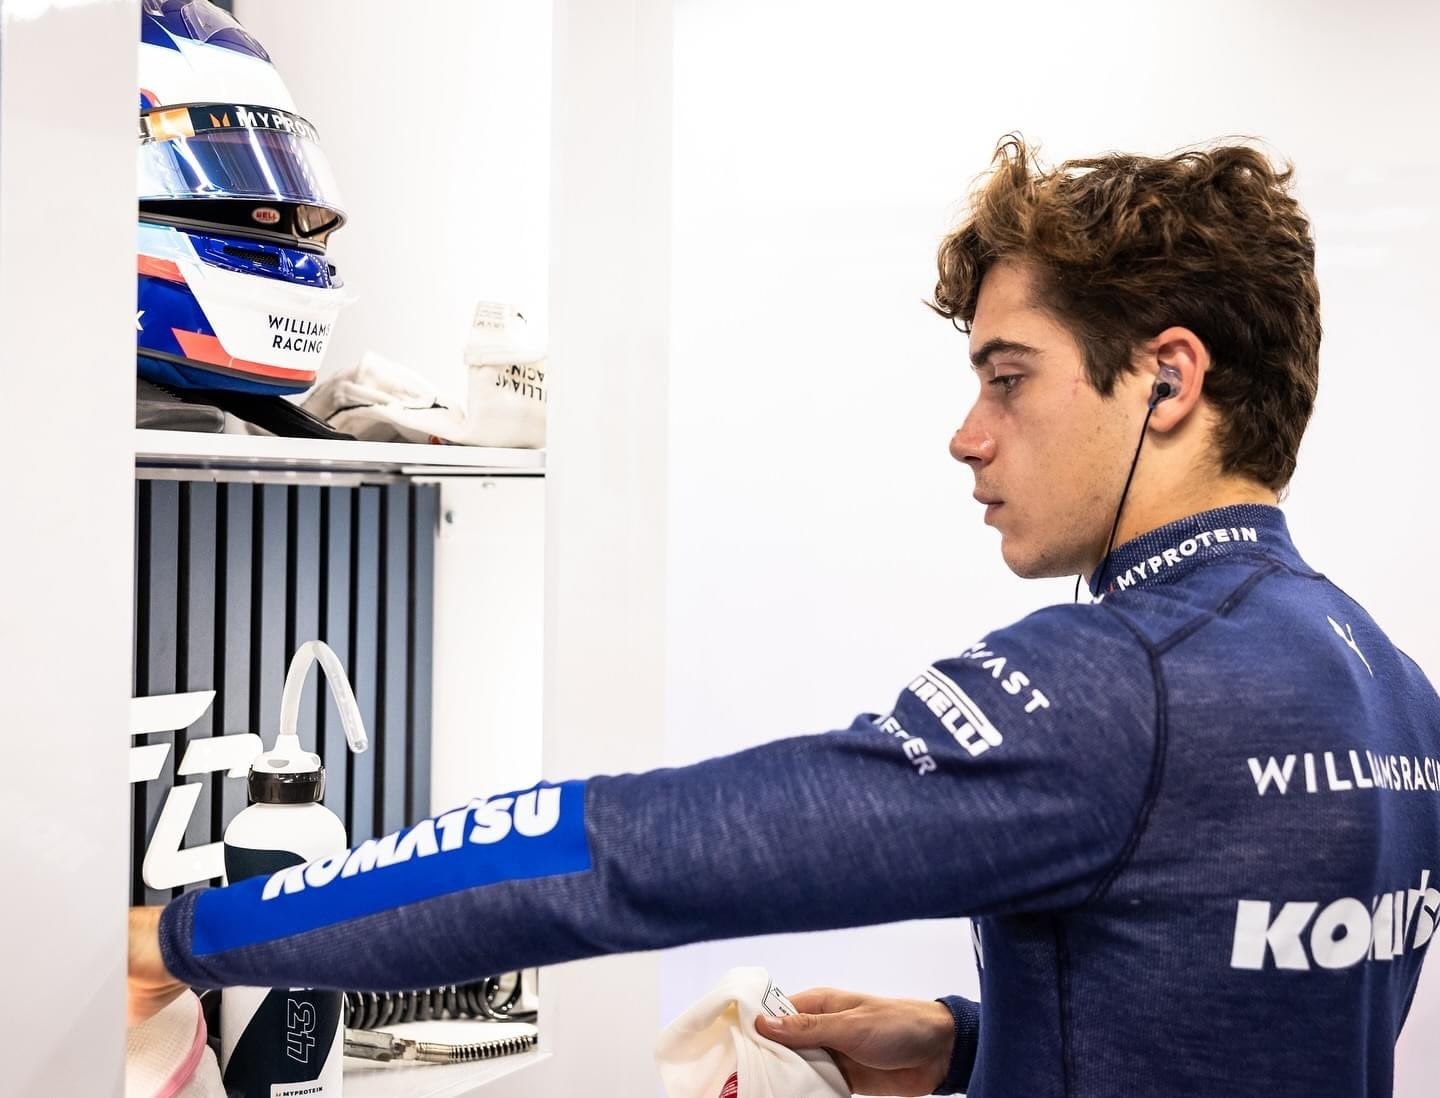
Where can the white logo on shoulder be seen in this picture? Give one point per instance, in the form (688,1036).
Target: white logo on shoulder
(1347,635)
(916,750)
(1014,682)
(958,713)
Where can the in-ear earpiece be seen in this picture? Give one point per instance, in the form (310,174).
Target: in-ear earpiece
(1166,386)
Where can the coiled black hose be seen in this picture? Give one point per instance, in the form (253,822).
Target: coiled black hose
(494,998)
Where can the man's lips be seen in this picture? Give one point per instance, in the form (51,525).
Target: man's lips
(991,505)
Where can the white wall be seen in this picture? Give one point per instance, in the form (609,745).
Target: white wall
(606,552)
(489,643)
(459,94)
(67,363)
(819,533)
(436,120)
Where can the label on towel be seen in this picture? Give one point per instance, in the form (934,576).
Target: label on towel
(775,1004)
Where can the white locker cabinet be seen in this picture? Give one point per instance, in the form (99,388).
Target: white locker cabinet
(246,547)
(577,683)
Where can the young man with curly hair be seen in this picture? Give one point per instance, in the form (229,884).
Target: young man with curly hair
(1195,821)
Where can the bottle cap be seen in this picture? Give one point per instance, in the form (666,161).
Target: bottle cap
(287,775)
(286,787)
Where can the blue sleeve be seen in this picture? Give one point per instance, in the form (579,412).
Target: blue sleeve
(1006,779)
(966,1015)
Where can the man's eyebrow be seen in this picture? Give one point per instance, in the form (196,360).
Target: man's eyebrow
(980,358)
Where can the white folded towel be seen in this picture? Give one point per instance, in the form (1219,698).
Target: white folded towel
(714,1051)
(166,1056)
(377,400)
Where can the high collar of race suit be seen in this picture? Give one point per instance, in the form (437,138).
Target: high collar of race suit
(1168,552)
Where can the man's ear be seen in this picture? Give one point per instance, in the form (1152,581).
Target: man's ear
(1181,350)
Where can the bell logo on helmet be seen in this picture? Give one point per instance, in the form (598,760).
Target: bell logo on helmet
(265,215)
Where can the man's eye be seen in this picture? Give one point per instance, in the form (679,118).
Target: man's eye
(1007,382)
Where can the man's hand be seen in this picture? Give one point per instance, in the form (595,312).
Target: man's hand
(151,985)
(882,1046)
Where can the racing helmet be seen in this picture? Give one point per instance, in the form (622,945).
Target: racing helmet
(237,203)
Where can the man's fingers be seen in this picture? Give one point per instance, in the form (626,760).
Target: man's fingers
(825,1000)
(821,1023)
(805,1030)
(149,1002)
(151,987)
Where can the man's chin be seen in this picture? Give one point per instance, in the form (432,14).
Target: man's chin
(1029,562)
(1028,570)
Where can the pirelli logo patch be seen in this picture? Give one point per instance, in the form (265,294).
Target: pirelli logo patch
(956,710)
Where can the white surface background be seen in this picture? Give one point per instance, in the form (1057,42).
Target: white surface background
(817,543)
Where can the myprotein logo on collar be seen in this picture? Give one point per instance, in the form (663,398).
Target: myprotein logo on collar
(1169,558)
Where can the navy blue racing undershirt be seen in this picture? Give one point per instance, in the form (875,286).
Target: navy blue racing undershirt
(1196,826)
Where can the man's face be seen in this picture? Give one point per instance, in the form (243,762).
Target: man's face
(1048,453)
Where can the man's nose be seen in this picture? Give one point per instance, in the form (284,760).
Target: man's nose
(972,443)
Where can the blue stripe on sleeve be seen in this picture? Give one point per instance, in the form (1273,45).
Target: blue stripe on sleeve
(538,833)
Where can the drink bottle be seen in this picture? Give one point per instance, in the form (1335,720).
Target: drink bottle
(283,1042)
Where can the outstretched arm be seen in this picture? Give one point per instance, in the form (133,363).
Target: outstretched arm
(987,789)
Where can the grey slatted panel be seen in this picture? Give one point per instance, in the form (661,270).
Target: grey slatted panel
(268,598)
(196,664)
(230,577)
(232,630)
(162,592)
(393,700)
(302,612)
(336,511)
(360,818)
(424,526)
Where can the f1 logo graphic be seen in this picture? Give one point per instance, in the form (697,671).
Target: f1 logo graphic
(166,864)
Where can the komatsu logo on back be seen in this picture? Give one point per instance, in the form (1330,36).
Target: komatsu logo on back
(528,815)
(1342,933)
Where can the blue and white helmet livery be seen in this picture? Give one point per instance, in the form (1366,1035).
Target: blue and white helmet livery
(236,205)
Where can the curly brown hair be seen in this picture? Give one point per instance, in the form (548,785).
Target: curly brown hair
(1126,246)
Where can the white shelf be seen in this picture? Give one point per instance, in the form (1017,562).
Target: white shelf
(256,457)
(365,1079)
